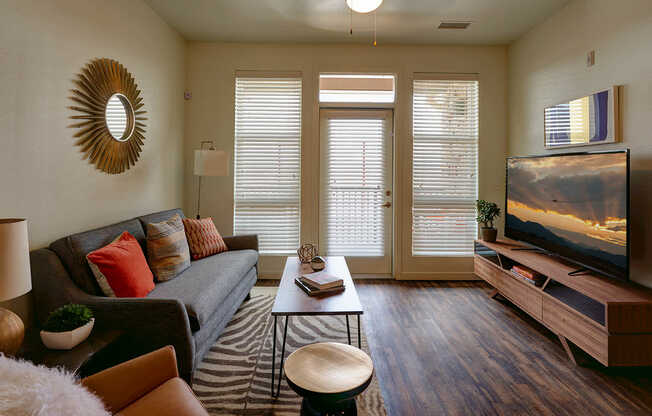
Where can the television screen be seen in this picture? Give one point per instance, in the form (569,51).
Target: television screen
(573,205)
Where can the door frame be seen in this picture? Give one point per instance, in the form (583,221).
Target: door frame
(361,266)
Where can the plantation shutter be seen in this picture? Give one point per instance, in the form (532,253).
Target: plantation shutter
(445,164)
(354,172)
(268,161)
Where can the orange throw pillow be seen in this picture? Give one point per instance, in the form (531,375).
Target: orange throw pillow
(203,238)
(121,269)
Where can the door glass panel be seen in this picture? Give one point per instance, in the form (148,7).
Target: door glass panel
(354,215)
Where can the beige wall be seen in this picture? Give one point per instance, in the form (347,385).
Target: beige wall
(547,66)
(210,115)
(42,176)
(43,44)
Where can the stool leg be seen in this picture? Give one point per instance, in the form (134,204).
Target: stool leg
(347,408)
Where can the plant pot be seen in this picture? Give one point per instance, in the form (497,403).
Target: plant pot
(67,340)
(489,234)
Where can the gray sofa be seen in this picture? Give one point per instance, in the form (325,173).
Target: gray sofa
(188,312)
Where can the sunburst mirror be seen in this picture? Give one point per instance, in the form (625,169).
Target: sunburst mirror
(110,116)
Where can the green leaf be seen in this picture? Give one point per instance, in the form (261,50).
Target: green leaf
(486,212)
(67,318)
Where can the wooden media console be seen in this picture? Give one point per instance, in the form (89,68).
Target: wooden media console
(608,319)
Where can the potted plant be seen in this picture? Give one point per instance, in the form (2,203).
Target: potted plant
(487,212)
(67,326)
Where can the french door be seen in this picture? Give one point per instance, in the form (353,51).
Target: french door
(355,218)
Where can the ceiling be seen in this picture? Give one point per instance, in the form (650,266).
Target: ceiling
(327,21)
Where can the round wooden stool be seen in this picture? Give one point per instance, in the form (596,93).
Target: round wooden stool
(328,375)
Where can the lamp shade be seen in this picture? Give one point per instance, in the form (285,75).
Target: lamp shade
(15,274)
(211,163)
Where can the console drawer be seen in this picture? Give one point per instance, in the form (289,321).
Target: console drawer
(526,296)
(488,271)
(582,331)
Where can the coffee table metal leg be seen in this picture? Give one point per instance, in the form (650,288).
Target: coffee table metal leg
(280,371)
(348,329)
(359,337)
(274,355)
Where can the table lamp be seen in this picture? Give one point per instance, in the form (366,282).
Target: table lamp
(15,280)
(209,162)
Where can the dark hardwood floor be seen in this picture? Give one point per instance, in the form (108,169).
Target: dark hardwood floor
(446,348)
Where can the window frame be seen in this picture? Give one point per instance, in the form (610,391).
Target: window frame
(458,264)
(297,75)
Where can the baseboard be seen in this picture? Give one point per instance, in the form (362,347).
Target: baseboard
(436,276)
(399,276)
(269,276)
(365,276)
(357,276)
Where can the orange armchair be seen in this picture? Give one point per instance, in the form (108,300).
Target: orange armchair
(146,385)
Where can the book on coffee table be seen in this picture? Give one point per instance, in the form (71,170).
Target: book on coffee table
(312,291)
(321,280)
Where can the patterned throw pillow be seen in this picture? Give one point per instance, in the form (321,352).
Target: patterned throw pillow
(167,248)
(203,238)
(121,269)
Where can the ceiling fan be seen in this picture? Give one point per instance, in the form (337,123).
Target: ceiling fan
(364,7)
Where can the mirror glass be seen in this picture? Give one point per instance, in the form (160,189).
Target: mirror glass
(586,120)
(117,114)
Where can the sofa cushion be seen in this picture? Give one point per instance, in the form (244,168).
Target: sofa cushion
(206,283)
(72,250)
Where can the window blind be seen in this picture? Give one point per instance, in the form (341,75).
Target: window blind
(353,185)
(444,167)
(267,188)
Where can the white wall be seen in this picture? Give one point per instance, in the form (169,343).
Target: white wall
(43,45)
(210,115)
(547,66)
(43,178)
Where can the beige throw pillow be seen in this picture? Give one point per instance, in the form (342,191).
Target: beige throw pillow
(167,248)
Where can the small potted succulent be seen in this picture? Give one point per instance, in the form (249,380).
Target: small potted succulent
(487,212)
(67,326)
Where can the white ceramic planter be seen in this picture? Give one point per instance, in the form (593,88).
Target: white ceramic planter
(67,340)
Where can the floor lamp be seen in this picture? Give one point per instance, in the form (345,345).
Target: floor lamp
(209,162)
(15,280)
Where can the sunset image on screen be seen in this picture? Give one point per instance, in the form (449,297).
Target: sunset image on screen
(577,201)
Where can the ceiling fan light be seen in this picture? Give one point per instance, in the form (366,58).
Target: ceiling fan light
(363,6)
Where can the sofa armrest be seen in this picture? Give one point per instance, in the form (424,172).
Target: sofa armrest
(125,383)
(162,321)
(242,242)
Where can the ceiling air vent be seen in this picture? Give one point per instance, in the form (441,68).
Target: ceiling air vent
(453,25)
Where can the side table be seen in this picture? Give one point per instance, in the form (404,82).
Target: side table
(81,360)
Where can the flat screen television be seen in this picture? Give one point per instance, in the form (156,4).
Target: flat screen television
(573,205)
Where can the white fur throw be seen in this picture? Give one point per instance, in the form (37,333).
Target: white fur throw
(28,390)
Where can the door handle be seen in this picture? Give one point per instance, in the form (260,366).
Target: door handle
(387,204)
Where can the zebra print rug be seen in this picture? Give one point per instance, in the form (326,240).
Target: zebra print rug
(234,377)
